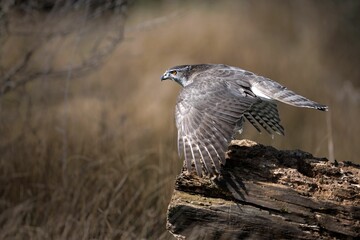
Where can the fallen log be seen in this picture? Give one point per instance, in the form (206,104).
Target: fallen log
(265,193)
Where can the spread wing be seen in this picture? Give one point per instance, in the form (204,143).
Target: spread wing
(273,90)
(215,103)
(207,112)
(264,87)
(263,113)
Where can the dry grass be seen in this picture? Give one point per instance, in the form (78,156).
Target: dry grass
(95,157)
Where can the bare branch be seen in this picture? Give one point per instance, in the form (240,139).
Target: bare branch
(84,33)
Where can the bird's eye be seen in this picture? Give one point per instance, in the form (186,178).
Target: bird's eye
(173,72)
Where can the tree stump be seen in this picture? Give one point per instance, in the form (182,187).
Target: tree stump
(265,193)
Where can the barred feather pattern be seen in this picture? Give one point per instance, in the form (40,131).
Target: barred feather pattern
(266,115)
(213,104)
(206,123)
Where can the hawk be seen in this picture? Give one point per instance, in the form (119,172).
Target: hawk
(215,101)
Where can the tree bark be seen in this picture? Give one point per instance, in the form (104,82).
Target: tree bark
(265,193)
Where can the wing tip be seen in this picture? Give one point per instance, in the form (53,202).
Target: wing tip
(322,108)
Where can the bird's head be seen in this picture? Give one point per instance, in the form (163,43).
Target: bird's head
(179,74)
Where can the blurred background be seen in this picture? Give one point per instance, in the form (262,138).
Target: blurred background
(87,132)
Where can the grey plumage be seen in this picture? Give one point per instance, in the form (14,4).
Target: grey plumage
(213,104)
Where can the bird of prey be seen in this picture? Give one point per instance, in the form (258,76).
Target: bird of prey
(215,101)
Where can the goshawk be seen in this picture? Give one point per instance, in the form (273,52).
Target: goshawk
(213,104)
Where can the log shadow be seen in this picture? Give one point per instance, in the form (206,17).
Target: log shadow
(247,163)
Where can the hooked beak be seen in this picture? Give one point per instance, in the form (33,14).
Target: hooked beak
(165,76)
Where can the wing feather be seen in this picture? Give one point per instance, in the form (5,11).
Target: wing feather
(187,153)
(215,101)
(266,114)
(206,116)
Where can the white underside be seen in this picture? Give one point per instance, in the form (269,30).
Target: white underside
(258,93)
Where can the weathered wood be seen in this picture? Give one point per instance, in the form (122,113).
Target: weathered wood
(265,193)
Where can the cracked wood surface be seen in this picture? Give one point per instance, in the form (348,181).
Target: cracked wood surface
(265,193)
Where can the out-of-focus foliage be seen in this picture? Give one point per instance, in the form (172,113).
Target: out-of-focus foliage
(87,135)
(40,38)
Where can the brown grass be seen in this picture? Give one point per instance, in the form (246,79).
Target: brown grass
(95,157)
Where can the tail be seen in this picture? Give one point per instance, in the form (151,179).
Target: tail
(269,89)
